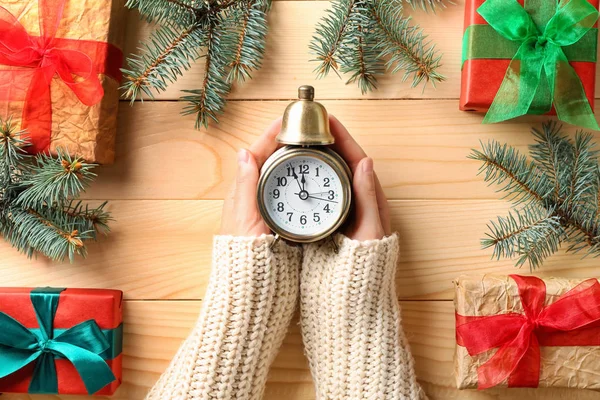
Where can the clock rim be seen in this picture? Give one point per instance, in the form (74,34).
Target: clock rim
(334,160)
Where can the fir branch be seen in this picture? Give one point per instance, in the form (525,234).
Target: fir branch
(55,179)
(532,234)
(552,154)
(502,163)
(405,45)
(162,60)
(329,35)
(209,101)
(359,55)
(88,219)
(584,166)
(37,231)
(563,179)
(247,40)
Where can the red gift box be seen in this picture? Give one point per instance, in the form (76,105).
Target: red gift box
(481,77)
(74,307)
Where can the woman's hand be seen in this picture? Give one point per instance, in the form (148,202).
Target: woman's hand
(240,211)
(371,219)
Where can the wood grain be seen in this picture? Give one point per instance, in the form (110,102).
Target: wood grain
(420,148)
(154,331)
(162,250)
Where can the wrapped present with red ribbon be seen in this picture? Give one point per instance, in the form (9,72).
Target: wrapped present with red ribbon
(530,57)
(522,331)
(60,341)
(60,71)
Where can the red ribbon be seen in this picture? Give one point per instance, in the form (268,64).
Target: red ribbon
(573,320)
(40,58)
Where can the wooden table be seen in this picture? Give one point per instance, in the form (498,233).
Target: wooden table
(167,186)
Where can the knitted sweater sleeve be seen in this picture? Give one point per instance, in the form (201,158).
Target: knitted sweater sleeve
(248,305)
(350,321)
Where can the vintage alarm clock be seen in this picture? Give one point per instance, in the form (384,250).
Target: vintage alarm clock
(304,190)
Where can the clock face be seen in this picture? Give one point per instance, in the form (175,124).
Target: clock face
(303,195)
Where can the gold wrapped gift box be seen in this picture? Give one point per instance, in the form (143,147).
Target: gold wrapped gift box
(85,131)
(561,366)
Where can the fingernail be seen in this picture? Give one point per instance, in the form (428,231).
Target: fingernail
(243,156)
(368,165)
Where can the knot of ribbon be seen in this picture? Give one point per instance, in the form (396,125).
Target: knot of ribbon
(82,345)
(36,60)
(572,320)
(539,75)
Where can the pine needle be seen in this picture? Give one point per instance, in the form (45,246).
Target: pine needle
(39,212)
(228,34)
(560,188)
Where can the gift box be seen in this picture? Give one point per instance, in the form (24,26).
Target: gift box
(60,341)
(60,73)
(521,331)
(527,58)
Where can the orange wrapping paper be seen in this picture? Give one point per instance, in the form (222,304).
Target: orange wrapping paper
(561,366)
(84,131)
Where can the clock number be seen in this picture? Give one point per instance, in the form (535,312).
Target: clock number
(327,209)
(276,193)
(281,181)
(290,171)
(331,195)
(303,219)
(280,207)
(290,215)
(316,217)
(317,175)
(326,180)
(303,169)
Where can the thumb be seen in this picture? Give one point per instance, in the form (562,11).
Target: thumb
(246,181)
(367,224)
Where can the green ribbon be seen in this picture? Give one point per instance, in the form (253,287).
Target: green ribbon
(539,74)
(81,345)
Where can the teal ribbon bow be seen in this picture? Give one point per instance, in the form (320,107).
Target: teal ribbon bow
(81,345)
(539,75)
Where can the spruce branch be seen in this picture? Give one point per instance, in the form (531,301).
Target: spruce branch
(54,179)
(405,45)
(503,165)
(228,34)
(247,39)
(532,234)
(359,56)
(329,36)
(561,188)
(209,101)
(38,210)
(162,60)
(356,36)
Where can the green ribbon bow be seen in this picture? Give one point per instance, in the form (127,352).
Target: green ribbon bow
(539,74)
(81,345)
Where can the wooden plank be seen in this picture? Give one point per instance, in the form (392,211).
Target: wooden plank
(419,147)
(154,331)
(162,250)
(287,59)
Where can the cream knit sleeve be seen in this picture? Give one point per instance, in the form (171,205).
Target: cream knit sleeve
(351,322)
(247,308)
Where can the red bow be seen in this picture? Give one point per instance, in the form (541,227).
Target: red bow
(570,321)
(40,58)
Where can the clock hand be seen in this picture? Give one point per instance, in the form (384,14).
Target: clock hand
(319,198)
(296,178)
(303,182)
